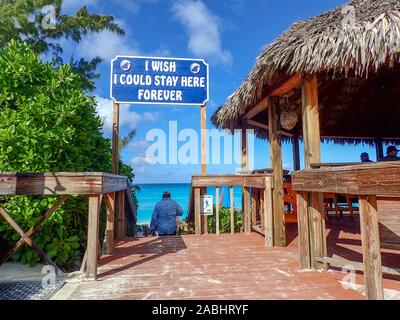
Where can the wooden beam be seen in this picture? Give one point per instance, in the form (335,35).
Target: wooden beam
(232,209)
(217,210)
(357,266)
(93,236)
(287,86)
(115,138)
(30,242)
(276,163)
(197,214)
(296,153)
(264,126)
(60,183)
(203,127)
(268,213)
(262,105)
(283,89)
(32,231)
(248,180)
(371,247)
(110,225)
(355,179)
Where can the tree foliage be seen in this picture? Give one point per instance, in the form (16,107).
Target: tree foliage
(225,220)
(47,124)
(23,20)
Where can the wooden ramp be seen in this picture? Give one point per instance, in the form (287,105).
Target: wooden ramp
(208,267)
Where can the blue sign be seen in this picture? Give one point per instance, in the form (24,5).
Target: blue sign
(155,80)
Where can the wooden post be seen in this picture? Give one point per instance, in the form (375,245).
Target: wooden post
(277,166)
(379,149)
(268,214)
(203,127)
(317,227)
(296,153)
(246,212)
(262,215)
(312,154)
(304,233)
(115,139)
(217,210)
(110,226)
(245,160)
(244,167)
(197,214)
(232,209)
(120,209)
(254,206)
(93,236)
(371,247)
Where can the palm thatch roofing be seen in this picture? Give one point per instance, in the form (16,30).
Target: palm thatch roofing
(357,67)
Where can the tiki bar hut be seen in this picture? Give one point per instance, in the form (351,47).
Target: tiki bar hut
(337,79)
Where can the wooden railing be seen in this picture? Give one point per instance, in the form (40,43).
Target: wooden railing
(259,205)
(96,186)
(367,181)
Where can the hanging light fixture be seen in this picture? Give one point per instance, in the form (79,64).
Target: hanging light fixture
(289,117)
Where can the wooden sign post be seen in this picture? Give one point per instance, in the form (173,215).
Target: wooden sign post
(203,133)
(115,139)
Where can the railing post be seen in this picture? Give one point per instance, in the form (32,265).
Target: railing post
(304,233)
(254,206)
(93,236)
(371,247)
(110,227)
(232,209)
(197,214)
(217,210)
(246,213)
(268,213)
(120,209)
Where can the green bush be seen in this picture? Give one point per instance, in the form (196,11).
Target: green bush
(48,124)
(224,220)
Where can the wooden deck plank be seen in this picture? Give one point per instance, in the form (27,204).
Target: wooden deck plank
(207,267)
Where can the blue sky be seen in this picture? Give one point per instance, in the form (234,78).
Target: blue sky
(228,34)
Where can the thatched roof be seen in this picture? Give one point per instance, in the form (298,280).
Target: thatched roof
(324,46)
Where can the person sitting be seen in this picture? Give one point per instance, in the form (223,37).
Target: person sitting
(391,154)
(164,216)
(365,157)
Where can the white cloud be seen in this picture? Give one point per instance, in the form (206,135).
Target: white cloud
(106,45)
(203,29)
(127,119)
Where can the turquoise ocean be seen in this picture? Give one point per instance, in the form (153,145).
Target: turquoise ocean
(150,194)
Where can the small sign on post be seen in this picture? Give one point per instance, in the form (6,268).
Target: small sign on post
(206,205)
(156,80)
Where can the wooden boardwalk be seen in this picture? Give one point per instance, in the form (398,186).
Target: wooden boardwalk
(208,267)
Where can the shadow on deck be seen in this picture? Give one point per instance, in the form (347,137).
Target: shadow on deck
(208,267)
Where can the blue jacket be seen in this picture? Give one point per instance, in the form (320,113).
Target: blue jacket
(164,217)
